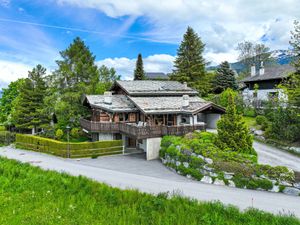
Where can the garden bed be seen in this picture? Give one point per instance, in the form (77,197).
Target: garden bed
(196,156)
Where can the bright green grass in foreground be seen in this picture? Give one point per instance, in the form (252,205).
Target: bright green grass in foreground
(29,195)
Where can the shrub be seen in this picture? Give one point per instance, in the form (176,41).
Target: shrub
(7,137)
(263,121)
(59,134)
(83,149)
(2,128)
(249,111)
(75,132)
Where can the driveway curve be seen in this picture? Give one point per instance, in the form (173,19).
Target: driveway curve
(276,157)
(151,182)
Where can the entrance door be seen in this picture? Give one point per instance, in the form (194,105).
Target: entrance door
(131,142)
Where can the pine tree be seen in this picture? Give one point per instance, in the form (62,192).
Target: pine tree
(224,78)
(77,74)
(139,73)
(233,134)
(190,64)
(28,107)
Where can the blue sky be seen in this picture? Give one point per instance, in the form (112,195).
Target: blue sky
(116,31)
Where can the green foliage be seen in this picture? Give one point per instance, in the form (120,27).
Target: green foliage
(222,99)
(77,74)
(2,128)
(28,107)
(59,134)
(83,149)
(107,77)
(249,112)
(242,182)
(225,78)
(6,101)
(292,84)
(232,132)
(285,123)
(7,137)
(139,73)
(190,64)
(263,121)
(75,133)
(48,197)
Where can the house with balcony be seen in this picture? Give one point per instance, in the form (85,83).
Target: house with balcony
(141,112)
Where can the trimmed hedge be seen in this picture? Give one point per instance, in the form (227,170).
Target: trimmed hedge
(77,150)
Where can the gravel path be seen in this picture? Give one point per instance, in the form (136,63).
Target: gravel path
(152,182)
(276,157)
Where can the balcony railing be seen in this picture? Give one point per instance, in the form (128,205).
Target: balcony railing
(139,132)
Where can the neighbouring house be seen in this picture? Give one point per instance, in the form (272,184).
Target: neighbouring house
(141,112)
(262,85)
(156,76)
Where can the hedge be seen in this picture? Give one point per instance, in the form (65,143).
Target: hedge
(7,137)
(76,150)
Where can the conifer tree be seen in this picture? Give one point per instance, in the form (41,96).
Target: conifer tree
(224,78)
(233,133)
(139,73)
(190,64)
(28,107)
(77,74)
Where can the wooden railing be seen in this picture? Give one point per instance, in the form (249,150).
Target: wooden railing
(139,132)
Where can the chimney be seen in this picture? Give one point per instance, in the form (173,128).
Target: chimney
(253,71)
(185,101)
(108,97)
(261,69)
(185,85)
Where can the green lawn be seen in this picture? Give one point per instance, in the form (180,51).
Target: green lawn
(29,195)
(250,121)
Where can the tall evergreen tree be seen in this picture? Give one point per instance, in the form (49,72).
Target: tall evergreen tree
(190,64)
(77,74)
(28,106)
(233,134)
(139,73)
(224,78)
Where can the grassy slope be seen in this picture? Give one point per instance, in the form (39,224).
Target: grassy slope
(29,195)
(250,121)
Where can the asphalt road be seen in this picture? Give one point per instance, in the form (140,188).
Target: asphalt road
(147,182)
(275,157)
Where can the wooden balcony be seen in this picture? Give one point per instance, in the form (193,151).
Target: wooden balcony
(139,132)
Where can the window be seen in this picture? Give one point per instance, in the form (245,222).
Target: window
(185,119)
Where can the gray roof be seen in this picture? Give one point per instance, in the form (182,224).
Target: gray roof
(155,87)
(156,75)
(272,73)
(120,103)
(172,104)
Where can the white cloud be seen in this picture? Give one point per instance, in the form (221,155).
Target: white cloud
(221,24)
(11,71)
(153,63)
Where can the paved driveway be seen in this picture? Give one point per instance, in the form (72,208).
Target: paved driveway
(139,177)
(276,157)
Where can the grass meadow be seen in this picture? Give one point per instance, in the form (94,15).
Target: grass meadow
(29,195)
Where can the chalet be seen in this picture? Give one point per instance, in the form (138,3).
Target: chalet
(141,112)
(266,80)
